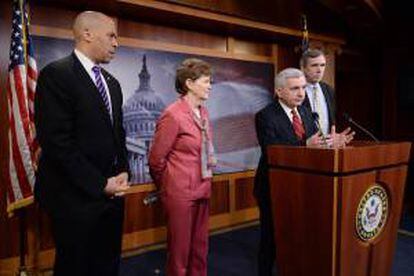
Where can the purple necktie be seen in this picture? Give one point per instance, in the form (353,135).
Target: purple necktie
(101,88)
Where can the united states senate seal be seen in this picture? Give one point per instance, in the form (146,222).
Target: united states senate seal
(372,213)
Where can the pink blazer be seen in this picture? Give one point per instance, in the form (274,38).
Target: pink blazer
(175,158)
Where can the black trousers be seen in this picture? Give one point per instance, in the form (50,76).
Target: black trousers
(89,245)
(267,248)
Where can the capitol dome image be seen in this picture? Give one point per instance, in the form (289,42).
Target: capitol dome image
(141,112)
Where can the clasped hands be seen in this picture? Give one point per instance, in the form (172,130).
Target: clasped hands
(333,139)
(117,185)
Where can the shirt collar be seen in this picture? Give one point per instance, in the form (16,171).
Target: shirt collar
(287,109)
(311,86)
(86,62)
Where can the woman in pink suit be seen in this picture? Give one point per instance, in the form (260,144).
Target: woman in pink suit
(181,161)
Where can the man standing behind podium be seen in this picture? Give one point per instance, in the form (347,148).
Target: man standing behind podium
(320,97)
(83,167)
(286,122)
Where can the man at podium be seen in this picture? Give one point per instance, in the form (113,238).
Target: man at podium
(284,121)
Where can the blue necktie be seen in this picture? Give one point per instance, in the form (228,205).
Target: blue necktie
(101,88)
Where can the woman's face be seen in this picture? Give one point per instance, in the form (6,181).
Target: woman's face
(199,88)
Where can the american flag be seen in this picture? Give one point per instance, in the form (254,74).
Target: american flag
(21,84)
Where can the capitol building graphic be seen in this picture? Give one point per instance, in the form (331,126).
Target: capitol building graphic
(141,112)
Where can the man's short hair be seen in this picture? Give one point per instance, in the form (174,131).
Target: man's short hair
(310,53)
(280,80)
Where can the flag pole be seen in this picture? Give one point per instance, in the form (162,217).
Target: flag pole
(305,34)
(22,242)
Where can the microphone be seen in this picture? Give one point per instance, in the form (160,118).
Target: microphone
(151,198)
(364,130)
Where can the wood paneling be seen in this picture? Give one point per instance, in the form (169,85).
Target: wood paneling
(382,257)
(358,92)
(287,56)
(244,193)
(377,255)
(353,189)
(45,231)
(220,198)
(214,22)
(170,35)
(141,217)
(318,209)
(304,221)
(358,157)
(61,18)
(252,48)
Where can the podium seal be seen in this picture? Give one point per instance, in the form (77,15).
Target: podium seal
(372,213)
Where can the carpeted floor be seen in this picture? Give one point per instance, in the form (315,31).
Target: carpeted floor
(234,254)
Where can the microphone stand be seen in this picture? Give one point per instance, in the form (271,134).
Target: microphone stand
(351,121)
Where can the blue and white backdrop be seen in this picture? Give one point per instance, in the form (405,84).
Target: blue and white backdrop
(147,77)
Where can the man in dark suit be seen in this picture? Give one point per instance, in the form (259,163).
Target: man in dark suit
(83,166)
(284,121)
(320,97)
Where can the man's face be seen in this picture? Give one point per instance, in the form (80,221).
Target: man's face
(293,93)
(104,41)
(314,69)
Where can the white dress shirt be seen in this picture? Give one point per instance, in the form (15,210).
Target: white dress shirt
(323,106)
(288,111)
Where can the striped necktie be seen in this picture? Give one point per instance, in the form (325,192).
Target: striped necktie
(316,105)
(101,88)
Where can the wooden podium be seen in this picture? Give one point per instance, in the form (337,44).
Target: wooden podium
(336,211)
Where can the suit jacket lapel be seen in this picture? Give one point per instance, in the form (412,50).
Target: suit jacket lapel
(306,102)
(306,121)
(284,122)
(90,86)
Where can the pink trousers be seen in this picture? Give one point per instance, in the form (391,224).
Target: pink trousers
(187,230)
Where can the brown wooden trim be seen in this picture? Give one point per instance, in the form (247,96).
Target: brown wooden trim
(230,44)
(236,175)
(334,223)
(139,188)
(8,266)
(232,195)
(230,177)
(48,31)
(237,217)
(154,45)
(170,47)
(220,18)
(275,51)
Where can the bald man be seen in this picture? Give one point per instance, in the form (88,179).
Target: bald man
(82,173)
